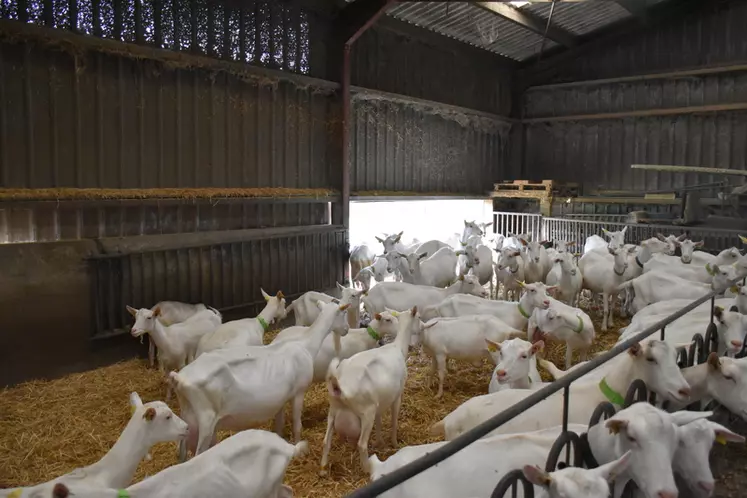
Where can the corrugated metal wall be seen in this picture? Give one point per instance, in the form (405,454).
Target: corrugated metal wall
(388,60)
(115,122)
(598,149)
(712,35)
(400,146)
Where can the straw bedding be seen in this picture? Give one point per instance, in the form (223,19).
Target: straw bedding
(48,428)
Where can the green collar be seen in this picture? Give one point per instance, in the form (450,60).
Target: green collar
(262,322)
(523,313)
(123,493)
(374,335)
(580,325)
(612,396)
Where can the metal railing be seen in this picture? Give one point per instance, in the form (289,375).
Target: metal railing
(414,468)
(578,230)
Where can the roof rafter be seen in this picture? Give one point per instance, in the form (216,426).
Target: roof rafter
(531,22)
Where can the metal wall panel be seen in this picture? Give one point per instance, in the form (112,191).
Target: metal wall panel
(404,147)
(598,154)
(384,59)
(713,35)
(95,120)
(50,221)
(226,276)
(660,93)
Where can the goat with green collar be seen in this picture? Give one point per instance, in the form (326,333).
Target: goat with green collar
(565,323)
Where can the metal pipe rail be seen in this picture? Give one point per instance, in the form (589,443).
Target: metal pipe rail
(414,468)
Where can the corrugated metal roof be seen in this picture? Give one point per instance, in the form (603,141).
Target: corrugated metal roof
(579,18)
(471,24)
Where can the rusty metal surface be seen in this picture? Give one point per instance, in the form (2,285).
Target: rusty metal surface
(401,147)
(225,276)
(384,59)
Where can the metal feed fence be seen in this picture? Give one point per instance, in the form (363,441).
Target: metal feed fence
(226,275)
(542,228)
(698,352)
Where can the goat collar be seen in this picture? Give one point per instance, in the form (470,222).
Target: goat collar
(612,396)
(580,325)
(523,313)
(374,335)
(123,493)
(638,262)
(262,322)
(620,274)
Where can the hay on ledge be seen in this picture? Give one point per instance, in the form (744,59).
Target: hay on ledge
(55,194)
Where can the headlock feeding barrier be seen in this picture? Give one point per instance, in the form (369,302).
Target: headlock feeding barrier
(574,446)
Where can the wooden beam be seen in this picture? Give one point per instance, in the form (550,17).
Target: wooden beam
(529,21)
(689,169)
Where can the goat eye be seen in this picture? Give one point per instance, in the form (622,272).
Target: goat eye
(652,360)
(532,290)
(631,439)
(168,417)
(524,356)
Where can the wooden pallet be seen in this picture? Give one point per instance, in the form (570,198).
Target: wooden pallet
(524,185)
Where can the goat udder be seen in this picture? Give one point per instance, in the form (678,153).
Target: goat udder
(348,426)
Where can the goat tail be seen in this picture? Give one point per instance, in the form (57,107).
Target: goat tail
(333,384)
(550,367)
(438,429)
(300,449)
(625,285)
(175,380)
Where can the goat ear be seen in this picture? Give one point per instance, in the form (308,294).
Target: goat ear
(149,414)
(461,278)
(635,349)
(537,476)
(423,255)
(723,434)
(377,316)
(714,362)
(718,311)
(492,346)
(280,295)
(661,237)
(264,294)
(616,425)
(698,244)
(380,240)
(571,243)
(157,311)
(681,237)
(399,236)
(611,470)
(135,401)
(743,239)
(537,347)
(132,311)
(341,287)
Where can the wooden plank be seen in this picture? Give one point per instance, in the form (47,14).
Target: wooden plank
(689,169)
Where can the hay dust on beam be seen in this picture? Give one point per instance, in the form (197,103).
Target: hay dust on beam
(48,428)
(55,194)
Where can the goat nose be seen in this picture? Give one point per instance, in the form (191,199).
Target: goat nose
(736,344)
(706,486)
(501,373)
(685,391)
(666,494)
(546,303)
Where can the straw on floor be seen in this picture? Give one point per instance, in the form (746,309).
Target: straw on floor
(48,428)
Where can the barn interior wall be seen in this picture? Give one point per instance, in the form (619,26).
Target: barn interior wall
(581,130)
(91,112)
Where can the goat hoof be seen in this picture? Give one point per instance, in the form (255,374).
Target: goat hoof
(323,472)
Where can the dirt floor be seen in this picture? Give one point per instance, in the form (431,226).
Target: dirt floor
(48,428)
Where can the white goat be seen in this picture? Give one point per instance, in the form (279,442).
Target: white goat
(567,278)
(150,423)
(174,312)
(462,338)
(356,340)
(514,314)
(565,323)
(515,364)
(436,270)
(247,331)
(307,311)
(536,262)
(249,463)
(509,272)
(230,389)
(653,362)
(364,386)
(177,343)
(477,258)
(361,257)
(377,271)
(400,295)
(597,243)
(604,278)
